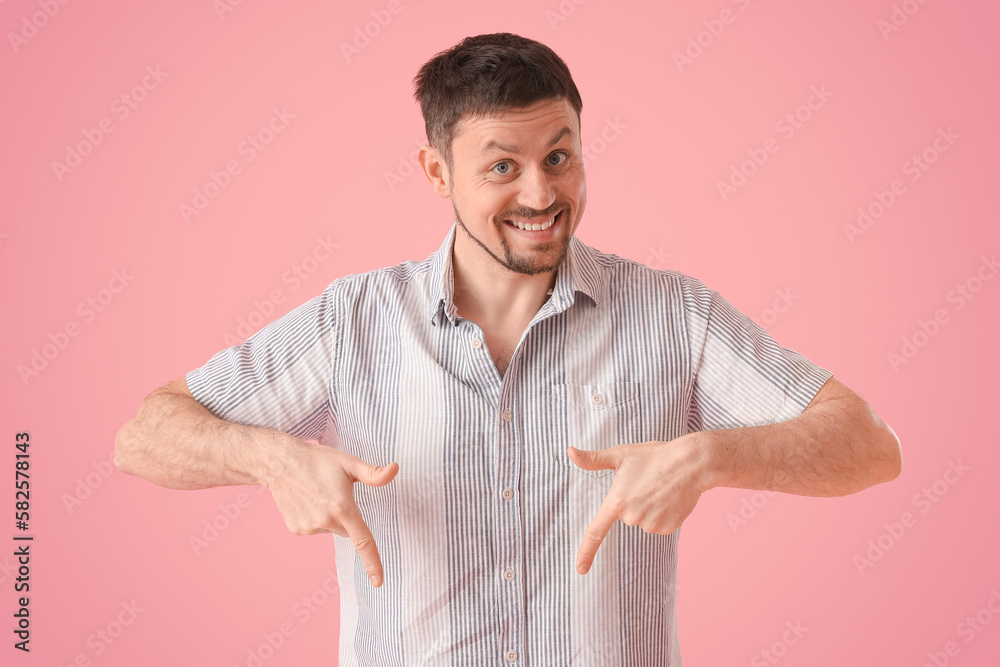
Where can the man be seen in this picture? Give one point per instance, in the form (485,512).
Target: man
(530,419)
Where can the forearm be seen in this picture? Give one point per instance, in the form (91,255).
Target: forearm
(834,448)
(174,441)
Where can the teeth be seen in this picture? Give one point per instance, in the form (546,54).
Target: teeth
(534,227)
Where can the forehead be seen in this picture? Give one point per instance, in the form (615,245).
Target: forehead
(517,128)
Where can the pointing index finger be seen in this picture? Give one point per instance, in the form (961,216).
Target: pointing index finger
(595,534)
(364,542)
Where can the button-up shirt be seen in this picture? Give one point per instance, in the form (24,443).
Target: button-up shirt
(479,530)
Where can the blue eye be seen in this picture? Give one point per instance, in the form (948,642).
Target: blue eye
(504,168)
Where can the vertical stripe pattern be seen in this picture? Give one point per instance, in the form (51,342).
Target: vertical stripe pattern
(480,529)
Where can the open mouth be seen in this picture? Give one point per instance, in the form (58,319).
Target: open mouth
(536,226)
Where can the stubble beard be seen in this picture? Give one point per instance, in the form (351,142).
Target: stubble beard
(519,263)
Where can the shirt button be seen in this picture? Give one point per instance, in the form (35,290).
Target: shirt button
(509,574)
(512,656)
(598,399)
(507,415)
(507,493)
(477,343)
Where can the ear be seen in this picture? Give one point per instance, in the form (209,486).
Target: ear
(435,169)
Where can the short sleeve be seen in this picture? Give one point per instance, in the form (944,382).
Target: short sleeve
(281,376)
(741,376)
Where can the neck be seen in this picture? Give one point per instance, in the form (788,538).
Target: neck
(491,295)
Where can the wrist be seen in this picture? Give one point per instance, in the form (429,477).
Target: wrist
(709,461)
(276,453)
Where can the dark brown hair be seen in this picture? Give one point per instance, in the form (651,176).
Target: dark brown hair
(486,75)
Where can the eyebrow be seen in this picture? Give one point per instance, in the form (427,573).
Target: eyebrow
(495,145)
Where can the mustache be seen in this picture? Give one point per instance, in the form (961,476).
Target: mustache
(531,213)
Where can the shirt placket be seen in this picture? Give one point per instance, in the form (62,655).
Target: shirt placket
(508,569)
(513,608)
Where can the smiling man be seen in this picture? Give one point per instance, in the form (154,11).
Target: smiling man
(522,187)
(511,431)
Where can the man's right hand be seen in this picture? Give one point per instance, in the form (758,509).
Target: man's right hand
(313,487)
(176,442)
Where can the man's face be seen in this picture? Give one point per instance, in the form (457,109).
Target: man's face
(525,165)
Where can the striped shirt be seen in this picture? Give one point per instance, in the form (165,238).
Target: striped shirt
(480,528)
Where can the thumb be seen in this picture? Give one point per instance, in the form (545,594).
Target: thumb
(371,474)
(596,459)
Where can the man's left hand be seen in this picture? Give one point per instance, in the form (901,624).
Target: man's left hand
(656,486)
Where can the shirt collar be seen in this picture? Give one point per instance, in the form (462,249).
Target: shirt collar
(579,272)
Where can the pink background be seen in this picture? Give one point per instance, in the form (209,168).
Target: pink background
(104,539)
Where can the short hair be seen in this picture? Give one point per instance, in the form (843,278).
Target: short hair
(486,75)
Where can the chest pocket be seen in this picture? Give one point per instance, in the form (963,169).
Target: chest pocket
(596,416)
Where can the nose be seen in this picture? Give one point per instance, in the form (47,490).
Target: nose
(537,189)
